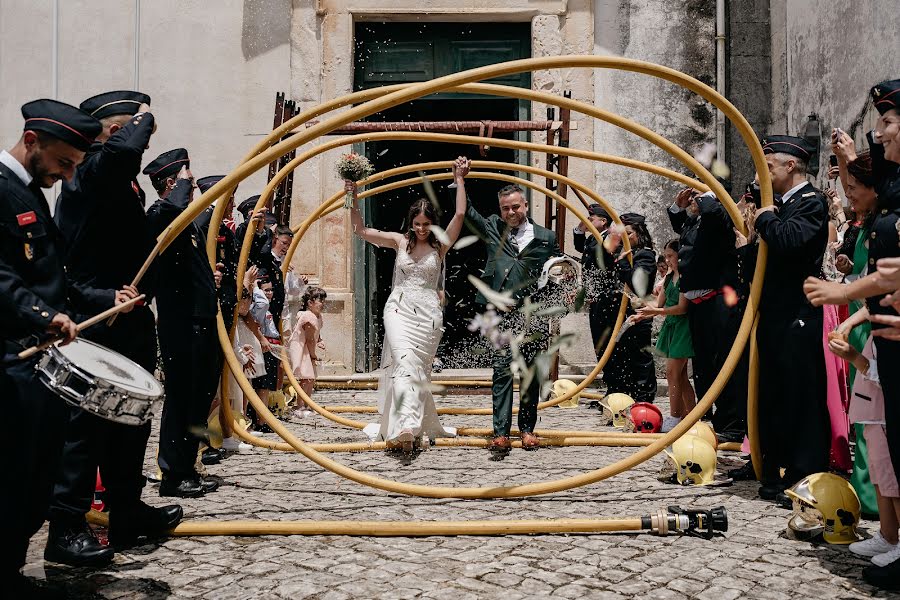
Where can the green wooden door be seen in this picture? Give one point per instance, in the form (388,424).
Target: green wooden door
(390,53)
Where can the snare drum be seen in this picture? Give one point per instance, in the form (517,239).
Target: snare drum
(100,381)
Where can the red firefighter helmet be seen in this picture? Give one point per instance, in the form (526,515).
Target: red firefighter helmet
(645,418)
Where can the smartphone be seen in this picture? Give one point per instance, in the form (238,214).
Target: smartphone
(832,160)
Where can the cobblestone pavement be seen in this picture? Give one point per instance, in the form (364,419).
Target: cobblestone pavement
(754,559)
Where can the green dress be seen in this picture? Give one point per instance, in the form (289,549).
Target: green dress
(674,339)
(857,338)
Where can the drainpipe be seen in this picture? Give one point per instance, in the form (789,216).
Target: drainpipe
(137,45)
(720,77)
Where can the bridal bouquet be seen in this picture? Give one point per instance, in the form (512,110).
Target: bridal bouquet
(354,167)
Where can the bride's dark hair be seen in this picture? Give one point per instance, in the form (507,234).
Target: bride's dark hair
(422,206)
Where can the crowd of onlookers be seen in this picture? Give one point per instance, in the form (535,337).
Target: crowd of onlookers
(828,330)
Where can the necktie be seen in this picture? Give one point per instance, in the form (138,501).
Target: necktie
(512,239)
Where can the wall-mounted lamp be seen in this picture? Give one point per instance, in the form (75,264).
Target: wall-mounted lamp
(812,132)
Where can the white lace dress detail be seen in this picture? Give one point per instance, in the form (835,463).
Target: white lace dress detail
(413,325)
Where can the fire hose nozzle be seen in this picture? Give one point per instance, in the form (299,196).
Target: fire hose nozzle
(696,522)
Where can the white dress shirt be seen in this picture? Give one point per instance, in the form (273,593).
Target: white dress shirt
(525,235)
(16,167)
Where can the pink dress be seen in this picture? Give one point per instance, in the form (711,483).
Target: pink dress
(300,350)
(838,399)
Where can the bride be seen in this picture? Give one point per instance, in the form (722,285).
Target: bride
(413,319)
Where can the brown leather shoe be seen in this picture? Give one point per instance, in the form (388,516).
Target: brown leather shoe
(530,441)
(500,444)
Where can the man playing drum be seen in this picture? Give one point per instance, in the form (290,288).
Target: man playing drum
(34,300)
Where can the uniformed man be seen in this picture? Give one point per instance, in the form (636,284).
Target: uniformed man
(186,305)
(35,301)
(102,197)
(707,262)
(793,418)
(227,252)
(603,296)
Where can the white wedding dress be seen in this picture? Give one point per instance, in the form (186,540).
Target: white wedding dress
(413,324)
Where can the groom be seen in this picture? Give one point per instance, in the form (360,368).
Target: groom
(516,252)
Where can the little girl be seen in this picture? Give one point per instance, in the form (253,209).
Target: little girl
(674,341)
(867,408)
(305,340)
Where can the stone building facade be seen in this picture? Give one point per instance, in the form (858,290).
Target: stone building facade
(213,69)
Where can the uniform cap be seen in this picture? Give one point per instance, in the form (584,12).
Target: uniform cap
(886,95)
(789,144)
(204,183)
(121,102)
(63,121)
(167,164)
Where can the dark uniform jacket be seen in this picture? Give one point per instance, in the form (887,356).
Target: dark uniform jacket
(100,213)
(505,270)
(33,284)
(707,259)
(227,253)
(884,237)
(186,286)
(796,235)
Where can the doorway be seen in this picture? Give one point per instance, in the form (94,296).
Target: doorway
(403,52)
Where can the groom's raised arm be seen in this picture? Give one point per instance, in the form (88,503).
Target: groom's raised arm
(475,222)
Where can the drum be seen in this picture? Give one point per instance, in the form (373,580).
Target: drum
(100,381)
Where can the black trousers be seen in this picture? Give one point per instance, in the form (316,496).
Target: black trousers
(192,362)
(706,325)
(537,362)
(888,359)
(794,426)
(602,315)
(34,441)
(91,442)
(630,369)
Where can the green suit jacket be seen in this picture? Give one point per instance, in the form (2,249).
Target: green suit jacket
(506,270)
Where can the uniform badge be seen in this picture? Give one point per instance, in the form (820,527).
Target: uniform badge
(876,91)
(29,251)
(26,218)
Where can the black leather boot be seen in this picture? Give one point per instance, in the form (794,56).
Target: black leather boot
(886,578)
(128,525)
(75,545)
(181,488)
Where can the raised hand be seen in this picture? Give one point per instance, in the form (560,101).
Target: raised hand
(461,168)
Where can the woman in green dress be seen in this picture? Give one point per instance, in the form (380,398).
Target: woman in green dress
(856,176)
(674,341)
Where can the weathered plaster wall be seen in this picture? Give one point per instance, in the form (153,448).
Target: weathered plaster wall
(211,74)
(825,57)
(748,81)
(675,33)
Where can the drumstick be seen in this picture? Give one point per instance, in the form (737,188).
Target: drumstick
(28,352)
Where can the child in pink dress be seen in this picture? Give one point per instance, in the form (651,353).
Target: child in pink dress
(305,340)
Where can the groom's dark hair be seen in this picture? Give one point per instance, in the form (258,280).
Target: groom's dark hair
(510,189)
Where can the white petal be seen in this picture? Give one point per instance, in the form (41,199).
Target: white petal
(464,242)
(441,235)
(502,300)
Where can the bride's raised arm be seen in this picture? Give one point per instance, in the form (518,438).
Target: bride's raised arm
(370,234)
(460,170)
